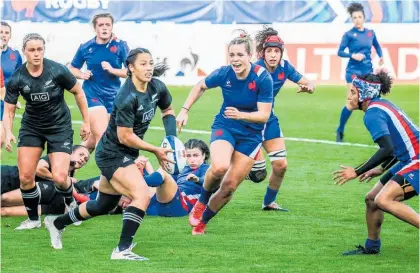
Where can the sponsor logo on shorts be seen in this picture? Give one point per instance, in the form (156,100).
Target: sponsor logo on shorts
(45,186)
(66,145)
(147,116)
(140,108)
(125,159)
(40,96)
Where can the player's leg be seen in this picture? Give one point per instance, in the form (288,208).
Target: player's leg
(2,137)
(390,197)
(345,113)
(12,198)
(28,158)
(9,178)
(276,150)
(221,150)
(240,167)
(98,119)
(16,211)
(258,172)
(167,190)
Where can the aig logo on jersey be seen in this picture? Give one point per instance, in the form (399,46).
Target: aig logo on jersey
(40,96)
(147,116)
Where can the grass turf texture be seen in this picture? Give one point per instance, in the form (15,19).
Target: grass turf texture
(324,221)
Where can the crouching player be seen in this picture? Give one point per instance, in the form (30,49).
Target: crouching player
(398,139)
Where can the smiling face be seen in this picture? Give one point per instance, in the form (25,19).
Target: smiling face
(239,59)
(142,67)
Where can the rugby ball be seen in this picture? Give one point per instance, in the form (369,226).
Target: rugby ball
(178,156)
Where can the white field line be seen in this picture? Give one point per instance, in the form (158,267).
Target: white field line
(201,132)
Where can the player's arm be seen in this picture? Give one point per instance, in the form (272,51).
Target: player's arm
(305,85)
(119,72)
(377,46)
(43,169)
(10,100)
(77,64)
(79,96)
(260,116)
(343,45)
(168,113)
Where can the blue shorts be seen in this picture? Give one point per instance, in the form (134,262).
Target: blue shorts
(410,172)
(94,101)
(272,129)
(1,110)
(246,143)
(350,74)
(177,207)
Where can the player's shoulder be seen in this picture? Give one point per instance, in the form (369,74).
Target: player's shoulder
(87,44)
(259,72)
(15,51)
(54,67)
(125,95)
(223,70)
(158,84)
(118,42)
(260,62)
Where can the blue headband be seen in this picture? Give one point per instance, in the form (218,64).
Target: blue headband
(367,90)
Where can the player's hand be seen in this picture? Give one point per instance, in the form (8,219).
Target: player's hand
(358,56)
(161,156)
(86,75)
(107,66)
(141,162)
(193,177)
(85,131)
(181,119)
(344,175)
(381,61)
(233,113)
(310,88)
(9,139)
(124,202)
(367,176)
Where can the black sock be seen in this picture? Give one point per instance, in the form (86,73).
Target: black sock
(67,219)
(132,219)
(31,201)
(67,194)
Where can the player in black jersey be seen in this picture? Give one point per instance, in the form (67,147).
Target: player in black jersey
(134,108)
(41,82)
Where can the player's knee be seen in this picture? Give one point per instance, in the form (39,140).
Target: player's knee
(370,200)
(279,167)
(26,178)
(382,202)
(4,212)
(219,170)
(103,204)
(60,177)
(5,200)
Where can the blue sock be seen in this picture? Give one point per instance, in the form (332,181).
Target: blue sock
(376,244)
(207,215)
(153,180)
(204,196)
(270,196)
(344,117)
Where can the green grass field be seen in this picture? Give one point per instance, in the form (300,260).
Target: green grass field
(324,221)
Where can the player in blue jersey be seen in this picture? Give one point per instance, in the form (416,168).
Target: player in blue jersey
(398,140)
(236,131)
(104,56)
(270,49)
(176,195)
(10,62)
(134,108)
(359,41)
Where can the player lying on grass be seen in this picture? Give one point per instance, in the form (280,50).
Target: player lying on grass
(10,178)
(176,195)
(398,140)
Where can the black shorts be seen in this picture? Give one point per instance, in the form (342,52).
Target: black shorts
(51,201)
(9,178)
(56,142)
(109,162)
(409,191)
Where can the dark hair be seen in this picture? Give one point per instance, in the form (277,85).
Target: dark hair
(381,77)
(101,15)
(355,7)
(261,36)
(159,69)
(5,24)
(199,144)
(244,38)
(76,147)
(30,37)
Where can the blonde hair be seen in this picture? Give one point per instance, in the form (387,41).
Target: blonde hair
(243,38)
